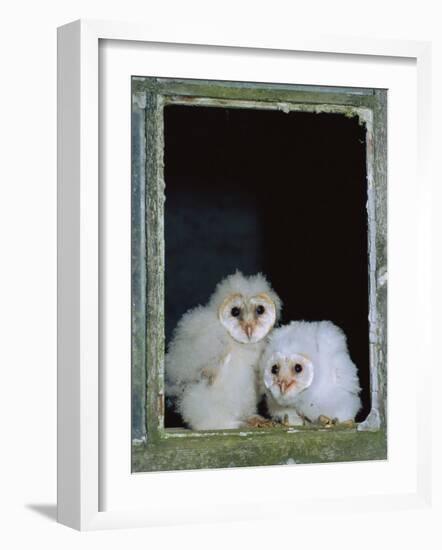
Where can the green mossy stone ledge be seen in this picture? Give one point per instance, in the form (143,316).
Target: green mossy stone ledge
(183,450)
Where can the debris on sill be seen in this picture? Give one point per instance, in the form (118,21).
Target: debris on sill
(284,107)
(139,441)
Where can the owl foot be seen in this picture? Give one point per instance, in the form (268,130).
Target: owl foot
(290,420)
(286,420)
(326,421)
(258,421)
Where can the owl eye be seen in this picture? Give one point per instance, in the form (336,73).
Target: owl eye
(260,310)
(298,368)
(275,369)
(235,311)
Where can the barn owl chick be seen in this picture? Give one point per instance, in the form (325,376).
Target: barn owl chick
(211,364)
(307,373)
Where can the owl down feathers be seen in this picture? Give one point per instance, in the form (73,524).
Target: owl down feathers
(212,361)
(225,355)
(307,372)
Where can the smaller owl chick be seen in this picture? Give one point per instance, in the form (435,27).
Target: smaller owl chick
(307,372)
(212,361)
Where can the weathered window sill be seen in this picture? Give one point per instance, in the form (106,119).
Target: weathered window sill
(180,449)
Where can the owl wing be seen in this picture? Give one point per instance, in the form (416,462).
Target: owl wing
(199,343)
(332,344)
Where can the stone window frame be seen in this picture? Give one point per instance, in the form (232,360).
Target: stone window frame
(156,448)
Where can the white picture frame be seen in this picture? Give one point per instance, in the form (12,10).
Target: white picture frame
(84,449)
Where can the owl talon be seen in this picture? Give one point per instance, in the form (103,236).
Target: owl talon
(289,421)
(258,421)
(326,421)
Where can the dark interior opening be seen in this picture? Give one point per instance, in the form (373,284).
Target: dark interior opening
(265,191)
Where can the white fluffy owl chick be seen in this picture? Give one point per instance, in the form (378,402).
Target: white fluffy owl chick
(306,371)
(212,360)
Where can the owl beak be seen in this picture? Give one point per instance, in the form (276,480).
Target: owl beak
(286,385)
(249,329)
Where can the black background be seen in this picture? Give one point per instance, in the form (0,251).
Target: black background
(265,191)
